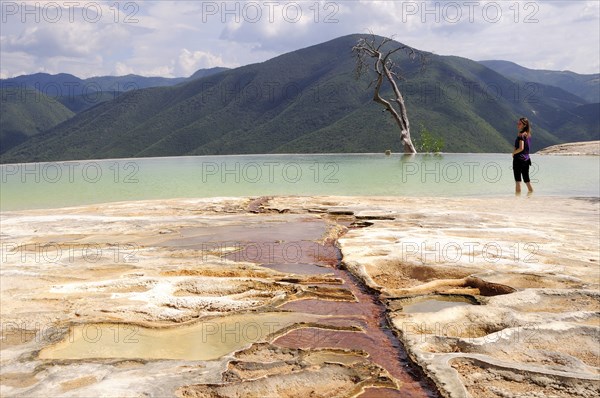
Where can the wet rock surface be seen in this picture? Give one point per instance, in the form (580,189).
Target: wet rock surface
(528,324)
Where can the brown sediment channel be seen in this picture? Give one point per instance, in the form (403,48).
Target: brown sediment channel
(366,313)
(375,338)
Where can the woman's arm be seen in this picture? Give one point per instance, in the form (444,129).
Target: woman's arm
(520,149)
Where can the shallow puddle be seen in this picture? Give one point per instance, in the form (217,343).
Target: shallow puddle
(205,340)
(434,305)
(253,230)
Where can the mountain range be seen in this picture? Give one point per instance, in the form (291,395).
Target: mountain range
(80,94)
(309,101)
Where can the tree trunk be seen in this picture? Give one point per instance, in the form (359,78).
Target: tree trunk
(382,68)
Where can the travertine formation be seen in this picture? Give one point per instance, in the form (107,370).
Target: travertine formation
(228,297)
(573,148)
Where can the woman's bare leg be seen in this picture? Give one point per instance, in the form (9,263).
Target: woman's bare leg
(529,187)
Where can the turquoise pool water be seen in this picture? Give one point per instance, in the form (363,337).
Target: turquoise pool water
(59,184)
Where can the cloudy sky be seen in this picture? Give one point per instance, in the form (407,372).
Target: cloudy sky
(176,38)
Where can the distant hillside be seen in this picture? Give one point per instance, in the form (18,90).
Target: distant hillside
(308,101)
(80,94)
(584,86)
(577,123)
(24,113)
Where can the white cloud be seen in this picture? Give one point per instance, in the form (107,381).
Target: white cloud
(121,69)
(165,70)
(71,40)
(189,61)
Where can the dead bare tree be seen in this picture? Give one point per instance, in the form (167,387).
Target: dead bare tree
(384,66)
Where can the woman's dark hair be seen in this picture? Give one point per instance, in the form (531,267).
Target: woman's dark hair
(526,128)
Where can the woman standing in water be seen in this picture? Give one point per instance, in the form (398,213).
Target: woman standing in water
(521,159)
